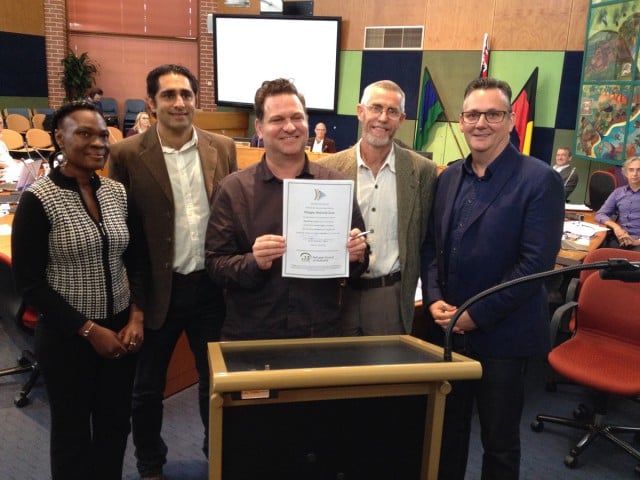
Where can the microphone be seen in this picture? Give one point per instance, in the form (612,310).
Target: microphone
(612,269)
(621,269)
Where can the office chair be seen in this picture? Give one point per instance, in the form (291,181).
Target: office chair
(14,141)
(603,355)
(43,111)
(38,120)
(24,111)
(110,111)
(115,134)
(40,140)
(601,184)
(17,122)
(132,107)
(563,321)
(12,308)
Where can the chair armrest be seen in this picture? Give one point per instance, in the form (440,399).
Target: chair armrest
(572,290)
(560,320)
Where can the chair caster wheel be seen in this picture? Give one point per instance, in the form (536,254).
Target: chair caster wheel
(20,401)
(571,461)
(537,426)
(582,412)
(23,361)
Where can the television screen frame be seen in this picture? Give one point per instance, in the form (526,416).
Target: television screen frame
(248,49)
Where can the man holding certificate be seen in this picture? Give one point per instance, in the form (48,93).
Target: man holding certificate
(245,242)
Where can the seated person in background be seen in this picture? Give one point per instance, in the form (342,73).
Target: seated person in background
(142,123)
(94,96)
(321,143)
(567,172)
(625,203)
(256,141)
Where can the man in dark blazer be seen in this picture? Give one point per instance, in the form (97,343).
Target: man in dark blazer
(321,143)
(387,176)
(567,172)
(498,215)
(170,172)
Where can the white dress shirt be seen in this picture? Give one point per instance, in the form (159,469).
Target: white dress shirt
(378,201)
(191,205)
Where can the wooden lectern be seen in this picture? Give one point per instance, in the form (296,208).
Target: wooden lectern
(350,407)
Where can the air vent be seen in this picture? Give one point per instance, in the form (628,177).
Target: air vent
(393,38)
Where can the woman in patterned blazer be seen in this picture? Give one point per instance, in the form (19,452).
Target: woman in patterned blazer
(73,261)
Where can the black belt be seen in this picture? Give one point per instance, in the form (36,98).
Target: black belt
(367,283)
(190,277)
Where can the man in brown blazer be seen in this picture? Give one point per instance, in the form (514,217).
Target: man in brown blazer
(170,172)
(395,188)
(321,143)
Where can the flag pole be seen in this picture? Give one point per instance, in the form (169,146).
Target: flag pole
(444,112)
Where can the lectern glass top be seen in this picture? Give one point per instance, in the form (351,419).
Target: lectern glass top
(279,357)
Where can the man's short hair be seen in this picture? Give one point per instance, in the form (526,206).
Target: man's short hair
(627,162)
(153,82)
(384,85)
(270,88)
(488,83)
(568,149)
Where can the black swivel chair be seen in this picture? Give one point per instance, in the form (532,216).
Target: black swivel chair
(132,107)
(601,184)
(12,308)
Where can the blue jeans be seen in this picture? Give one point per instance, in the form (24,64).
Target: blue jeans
(499,397)
(196,307)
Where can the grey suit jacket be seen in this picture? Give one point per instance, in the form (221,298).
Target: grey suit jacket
(415,185)
(570,178)
(139,164)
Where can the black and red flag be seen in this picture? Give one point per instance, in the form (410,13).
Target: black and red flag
(524,106)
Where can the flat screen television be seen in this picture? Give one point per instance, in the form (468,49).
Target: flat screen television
(249,49)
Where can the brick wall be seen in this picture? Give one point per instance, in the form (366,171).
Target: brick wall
(55,27)
(205,57)
(56,39)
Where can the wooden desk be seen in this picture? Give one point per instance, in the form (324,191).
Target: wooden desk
(577,256)
(247,156)
(231,124)
(182,368)
(368,407)
(5,240)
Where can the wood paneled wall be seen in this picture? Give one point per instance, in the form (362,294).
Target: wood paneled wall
(544,25)
(23,16)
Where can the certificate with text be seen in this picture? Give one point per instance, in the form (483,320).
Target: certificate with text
(316,221)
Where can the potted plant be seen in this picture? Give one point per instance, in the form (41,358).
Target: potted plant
(78,76)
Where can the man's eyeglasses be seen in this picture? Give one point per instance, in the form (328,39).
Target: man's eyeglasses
(492,116)
(378,109)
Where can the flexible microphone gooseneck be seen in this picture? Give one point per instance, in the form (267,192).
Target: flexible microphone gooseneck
(612,269)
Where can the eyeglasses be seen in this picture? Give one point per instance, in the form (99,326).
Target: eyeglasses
(492,116)
(378,109)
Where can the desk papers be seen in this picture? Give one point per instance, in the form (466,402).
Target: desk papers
(316,221)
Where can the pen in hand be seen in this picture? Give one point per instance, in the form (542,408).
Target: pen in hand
(363,234)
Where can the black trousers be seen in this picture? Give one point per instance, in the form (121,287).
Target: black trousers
(90,402)
(499,398)
(197,307)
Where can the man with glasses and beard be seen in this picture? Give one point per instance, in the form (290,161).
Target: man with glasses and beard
(395,188)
